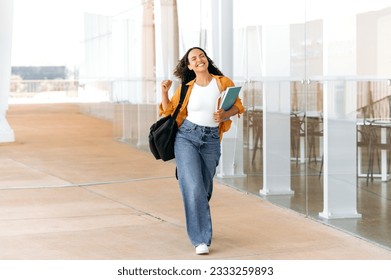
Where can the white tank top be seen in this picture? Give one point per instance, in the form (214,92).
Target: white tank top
(202,104)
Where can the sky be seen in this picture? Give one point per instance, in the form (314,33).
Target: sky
(46,32)
(50,32)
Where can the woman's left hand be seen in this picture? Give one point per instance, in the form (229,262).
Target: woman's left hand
(220,115)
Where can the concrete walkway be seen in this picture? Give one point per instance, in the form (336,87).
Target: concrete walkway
(69,191)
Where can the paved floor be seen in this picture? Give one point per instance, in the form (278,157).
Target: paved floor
(69,191)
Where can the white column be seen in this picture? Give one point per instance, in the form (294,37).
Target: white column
(167,44)
(231,161)
(167,39)
(339,145)
(6,15)
(148,50)
(276,111)
(224,42)
(339,169)
(148,72)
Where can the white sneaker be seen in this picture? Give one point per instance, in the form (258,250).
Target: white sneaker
(202,249)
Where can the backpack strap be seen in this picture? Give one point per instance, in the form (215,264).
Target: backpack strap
(182,98)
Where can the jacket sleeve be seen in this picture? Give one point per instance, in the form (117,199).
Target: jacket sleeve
(226,125)
(171,105)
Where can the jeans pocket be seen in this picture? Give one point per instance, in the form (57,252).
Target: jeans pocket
(188,127)
(215,135)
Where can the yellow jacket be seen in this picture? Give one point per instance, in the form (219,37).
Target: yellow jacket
(222,82)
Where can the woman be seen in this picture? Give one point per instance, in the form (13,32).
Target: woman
(197,144)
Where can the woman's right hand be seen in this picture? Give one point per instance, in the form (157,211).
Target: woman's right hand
(166,85)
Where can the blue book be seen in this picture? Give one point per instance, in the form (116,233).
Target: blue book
(228,97)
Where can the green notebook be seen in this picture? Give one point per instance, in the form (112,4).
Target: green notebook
(228,97)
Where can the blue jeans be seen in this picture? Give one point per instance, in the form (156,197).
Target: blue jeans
(197,154)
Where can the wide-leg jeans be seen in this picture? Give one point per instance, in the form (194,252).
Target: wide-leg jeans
(197,154)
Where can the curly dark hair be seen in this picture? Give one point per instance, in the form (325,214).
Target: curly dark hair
(185,74)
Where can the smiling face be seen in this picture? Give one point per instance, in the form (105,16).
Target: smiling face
(198,62)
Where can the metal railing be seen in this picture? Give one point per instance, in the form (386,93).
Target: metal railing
(30,88)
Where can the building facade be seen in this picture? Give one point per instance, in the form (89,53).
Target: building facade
(314,75)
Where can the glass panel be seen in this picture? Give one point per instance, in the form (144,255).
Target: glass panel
(269,54)
(313,125)
(351,77)
(373,154)
(334,82)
